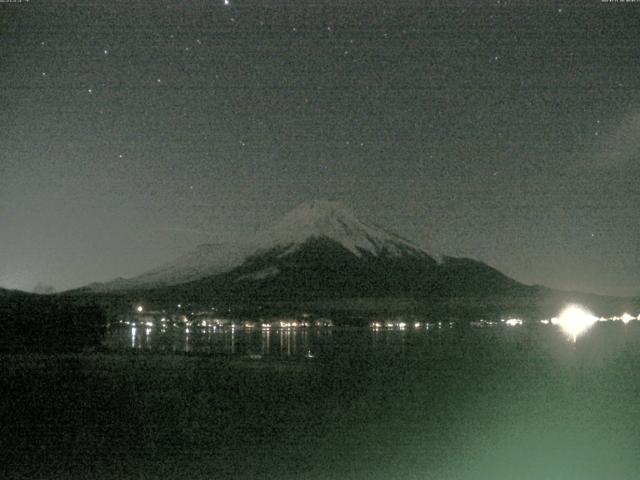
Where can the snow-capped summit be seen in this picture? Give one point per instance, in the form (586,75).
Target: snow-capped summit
(330,220)
(326,221)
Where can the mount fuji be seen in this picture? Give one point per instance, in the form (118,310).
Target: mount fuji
(318,250)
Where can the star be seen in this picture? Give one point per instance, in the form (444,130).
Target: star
(106,52)
(90,90)
(226,2)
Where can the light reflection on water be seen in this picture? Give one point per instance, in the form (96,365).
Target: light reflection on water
(225,340)
(511,399)
(266,340)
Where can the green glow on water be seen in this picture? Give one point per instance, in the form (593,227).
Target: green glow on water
(498,403)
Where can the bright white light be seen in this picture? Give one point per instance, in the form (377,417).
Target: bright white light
(512,322)
(139,309)
(544,322)
(574,321)
(626,318)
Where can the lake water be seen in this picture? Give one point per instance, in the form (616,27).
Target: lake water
(500,402)
(239,341)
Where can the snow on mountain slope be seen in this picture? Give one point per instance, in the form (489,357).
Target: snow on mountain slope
(313,220)
(205,260)
(332,221)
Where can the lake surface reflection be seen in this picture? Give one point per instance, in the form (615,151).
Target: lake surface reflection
(444,401)
(491,400)
(255,341)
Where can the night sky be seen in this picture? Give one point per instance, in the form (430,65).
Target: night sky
(504,131)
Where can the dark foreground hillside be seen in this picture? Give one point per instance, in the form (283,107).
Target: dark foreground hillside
(48,323)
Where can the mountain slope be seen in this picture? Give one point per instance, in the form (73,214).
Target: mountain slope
(314,220)
(322,250)
(319,250)
(205,260)
(322,267)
